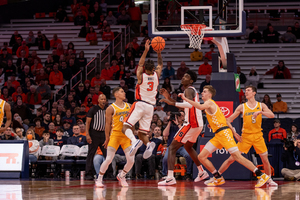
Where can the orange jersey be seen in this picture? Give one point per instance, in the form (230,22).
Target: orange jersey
(216,120)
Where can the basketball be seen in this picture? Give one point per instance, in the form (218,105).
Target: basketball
(158,43)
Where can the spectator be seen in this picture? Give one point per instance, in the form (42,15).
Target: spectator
(53,114)
(181,70)
(129,81)
(69,117)
(14,83)
(58,121)
(82,114)
(124,18)
(82,128)
(41,76)
(105,88)
(56,77)
(30,40)
(208,54)
(66,71)
(74,67)
(288,37)
(205,68)
(157,133)
(102,27)
(100,21)
(243,78)
(45,44)
(35,56)
(108,35)
(4,57)
(33,97)
(5,96)
(35,68)
(92,37)
(52,129)
(290,157)
(34,146)
(55,41)
(168,71)
(77,139)
(151,160)
(60,140)
(119,58)
(81,61)
(266,100)
(14,38)
(280,71)
(277,132)
(18,93)
(120,74)
(159,111)
(49,62)
(296,30)
(84,30)
(61,15)
(136,17)
(20,59)
(44,90)
(103,7)
(23,110)
(252,78)
(249,30)
(271,36)
(132,67)
(38,39)
(279,106)
(168,85)
(128,57)
(54,56)
(132,50)
(9,87)
(19,133)
(106,73)
(134,43)
(196,55)
(96,80)
(8,135)
(205,82)
(38,129)
(46,140)
(46,121)
(16,46)
(255,36)
(81,92)
(293,134)
(79,19)
(68,131)
(114,68)
(23,47)
(5,46)
(98,160)
(111,20)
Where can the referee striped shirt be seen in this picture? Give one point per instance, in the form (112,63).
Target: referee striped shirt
(98,118)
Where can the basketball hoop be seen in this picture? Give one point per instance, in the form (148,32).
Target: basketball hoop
(196,34)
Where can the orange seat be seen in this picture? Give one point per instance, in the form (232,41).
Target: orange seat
(40,15)
(52,14)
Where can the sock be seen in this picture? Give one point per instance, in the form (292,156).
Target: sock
(123,173)
(200,169)
(130,135)
(170,173)
(219,172)
(216,175)
(258,172)
(100,177)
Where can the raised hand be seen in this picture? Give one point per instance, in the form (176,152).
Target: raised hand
(147,45)
(165,93)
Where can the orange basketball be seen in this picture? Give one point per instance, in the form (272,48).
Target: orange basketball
(158,43)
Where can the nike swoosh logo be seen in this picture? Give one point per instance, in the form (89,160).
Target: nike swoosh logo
(167,181)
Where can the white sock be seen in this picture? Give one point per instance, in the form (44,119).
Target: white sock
(130,135)
(170,173)
(200,169)
(254,170)
(123,173)
(215,171)
(100,177)
(219,172)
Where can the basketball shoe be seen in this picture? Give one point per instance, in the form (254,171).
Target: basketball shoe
(215,182)
(149,149)
(99,183)
(262,180)
(135,146)
(202,176)
(122,180)
(167,181)
(271,183)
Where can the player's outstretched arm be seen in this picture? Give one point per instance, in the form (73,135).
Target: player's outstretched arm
(140,68)
(199,106)
(236,113)
(159,63)
(108,120)
(265,111)
(7,111)
(190,94)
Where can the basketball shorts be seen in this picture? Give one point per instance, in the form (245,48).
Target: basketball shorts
(223,139)
(187,133)
(140,112)
(117,139)
(255,140)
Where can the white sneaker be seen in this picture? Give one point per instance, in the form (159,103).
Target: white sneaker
(149,149)
(202,176)
(99,183)
(209,181)
(168,181)
(164,178)
(271,183)
(135,146)
(122,180)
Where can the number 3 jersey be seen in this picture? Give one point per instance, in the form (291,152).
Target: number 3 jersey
(118,117)
(147,89)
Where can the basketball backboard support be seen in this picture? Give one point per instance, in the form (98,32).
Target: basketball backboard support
(226,18)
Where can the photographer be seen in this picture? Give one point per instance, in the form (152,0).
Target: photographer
(291,156)
(176,120)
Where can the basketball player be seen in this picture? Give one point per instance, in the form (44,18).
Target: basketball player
(252,112)
(114,137)
(223,138)
(187,135)
(4,108)
(142,109)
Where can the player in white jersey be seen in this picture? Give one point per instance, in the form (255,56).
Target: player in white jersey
(187,135)
(142,109)
(4,110)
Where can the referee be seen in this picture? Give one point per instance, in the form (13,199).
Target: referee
(95,135)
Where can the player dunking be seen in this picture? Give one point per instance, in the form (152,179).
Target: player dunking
(142,109)
(114,137)
(187,135)
(4,110)
(223,138)
(252,112)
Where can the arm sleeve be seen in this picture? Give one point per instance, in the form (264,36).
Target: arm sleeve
(183,105)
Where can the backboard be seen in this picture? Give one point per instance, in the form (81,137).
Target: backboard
(226,18)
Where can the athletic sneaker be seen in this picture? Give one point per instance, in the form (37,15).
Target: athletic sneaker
(271,183)
(122,180)
(135,146)
(216,182)
(202,176)
(99,183)
(149,149)
(164,178)
(168,181)
(262,180)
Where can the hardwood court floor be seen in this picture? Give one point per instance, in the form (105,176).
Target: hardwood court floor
(142,190)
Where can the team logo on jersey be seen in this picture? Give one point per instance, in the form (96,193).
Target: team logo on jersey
(225,111)
(257,108)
